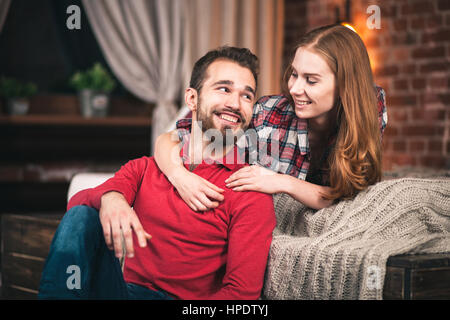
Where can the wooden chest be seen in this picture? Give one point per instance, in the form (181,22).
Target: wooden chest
(26,241)
(418,277)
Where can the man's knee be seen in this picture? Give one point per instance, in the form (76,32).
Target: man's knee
(82,215)
(79,223)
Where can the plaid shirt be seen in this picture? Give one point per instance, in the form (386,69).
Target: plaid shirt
(277,139)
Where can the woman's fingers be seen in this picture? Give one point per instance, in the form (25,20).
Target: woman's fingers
(199,205)
(214,187)
(204,199)
(245,172)
(239,182)
(211,194)
(236,176)
(247,187)
(192,206)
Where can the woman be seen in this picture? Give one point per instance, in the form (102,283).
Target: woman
(327,123)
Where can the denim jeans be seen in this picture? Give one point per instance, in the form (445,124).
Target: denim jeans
(80,265)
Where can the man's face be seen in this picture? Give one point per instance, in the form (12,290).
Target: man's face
(225,102)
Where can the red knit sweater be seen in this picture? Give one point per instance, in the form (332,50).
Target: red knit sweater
(219,254)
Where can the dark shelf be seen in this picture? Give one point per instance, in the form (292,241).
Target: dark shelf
(73,120)
(61,138)
(34,145)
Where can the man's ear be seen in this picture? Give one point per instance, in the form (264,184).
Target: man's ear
(191,98)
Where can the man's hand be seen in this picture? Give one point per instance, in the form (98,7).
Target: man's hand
(116,215)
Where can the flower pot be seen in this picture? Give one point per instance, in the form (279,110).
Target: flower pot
(17,106)
(94,103)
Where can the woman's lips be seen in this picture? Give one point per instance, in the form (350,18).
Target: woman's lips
(300,104)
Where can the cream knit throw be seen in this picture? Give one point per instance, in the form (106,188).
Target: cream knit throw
(341,252)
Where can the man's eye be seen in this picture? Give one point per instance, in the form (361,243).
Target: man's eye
(248,96)
(224,89)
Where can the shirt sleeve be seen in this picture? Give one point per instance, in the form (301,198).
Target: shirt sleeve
(249,239)
(184,128)
(126,181)
(259,112)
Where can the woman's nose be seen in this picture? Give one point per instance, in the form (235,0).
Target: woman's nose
(298,87)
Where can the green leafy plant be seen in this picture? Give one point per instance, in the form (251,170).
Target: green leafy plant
(12,88)
(96,78)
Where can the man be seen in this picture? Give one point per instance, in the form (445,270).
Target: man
(219,254)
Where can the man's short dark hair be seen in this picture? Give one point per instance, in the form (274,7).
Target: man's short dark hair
(242,56)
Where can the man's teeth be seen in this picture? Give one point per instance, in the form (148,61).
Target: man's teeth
(228,118)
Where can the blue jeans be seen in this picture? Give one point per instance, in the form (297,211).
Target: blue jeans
(80,265)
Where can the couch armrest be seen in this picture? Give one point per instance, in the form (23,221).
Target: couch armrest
(82,181)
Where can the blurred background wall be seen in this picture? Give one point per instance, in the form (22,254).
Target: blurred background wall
(410,56)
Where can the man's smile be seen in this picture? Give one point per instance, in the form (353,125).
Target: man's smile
(228,118)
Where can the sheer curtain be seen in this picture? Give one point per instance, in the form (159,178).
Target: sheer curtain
(4,6)
(255,24)
(142,42)
(152,45)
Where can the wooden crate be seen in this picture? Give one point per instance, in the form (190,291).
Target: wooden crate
(26,241)
(420,277)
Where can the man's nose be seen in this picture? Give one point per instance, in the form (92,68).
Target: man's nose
(233,101)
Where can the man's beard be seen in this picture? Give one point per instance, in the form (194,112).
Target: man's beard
(225,135)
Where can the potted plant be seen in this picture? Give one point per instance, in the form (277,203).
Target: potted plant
(93,86)
(16,95)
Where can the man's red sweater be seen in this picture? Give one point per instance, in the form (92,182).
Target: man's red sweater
(218,254)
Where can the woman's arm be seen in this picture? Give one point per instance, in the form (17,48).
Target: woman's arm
(260,179)
(308,193)
(166,161)
(198,193)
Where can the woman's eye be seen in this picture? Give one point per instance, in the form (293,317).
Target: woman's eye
(310,81)
(294,74)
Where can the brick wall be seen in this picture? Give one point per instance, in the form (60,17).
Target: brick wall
(410,57)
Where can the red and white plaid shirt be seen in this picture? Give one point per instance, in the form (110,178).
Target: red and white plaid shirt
(277,139)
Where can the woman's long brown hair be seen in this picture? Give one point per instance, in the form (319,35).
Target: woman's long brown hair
(355,162)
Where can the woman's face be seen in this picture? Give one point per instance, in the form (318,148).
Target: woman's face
(312,86)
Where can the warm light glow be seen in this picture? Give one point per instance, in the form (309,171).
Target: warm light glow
(363,34)
(348,25)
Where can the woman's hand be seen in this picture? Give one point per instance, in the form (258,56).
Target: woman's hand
(255,178)
(198,193)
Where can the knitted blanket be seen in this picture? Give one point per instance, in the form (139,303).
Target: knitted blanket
(340,252)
